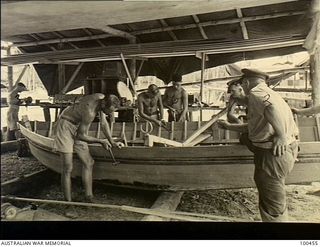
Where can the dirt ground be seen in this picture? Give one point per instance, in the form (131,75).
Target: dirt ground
(303,200)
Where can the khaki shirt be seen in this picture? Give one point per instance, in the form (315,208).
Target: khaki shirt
(260,130)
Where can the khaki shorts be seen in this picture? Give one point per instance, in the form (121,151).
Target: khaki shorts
(13,117)
(65,138)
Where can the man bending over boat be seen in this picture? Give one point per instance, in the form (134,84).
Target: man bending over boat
(272,133)
(72,136)
(150,105)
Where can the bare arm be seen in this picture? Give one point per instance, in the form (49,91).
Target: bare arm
(230,115)
(82,133)
(143,115)
(307,111)
(185,106)
(105,127)
(242,127)
(160,105)
(274,117)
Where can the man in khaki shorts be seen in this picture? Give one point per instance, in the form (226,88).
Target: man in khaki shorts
(71,135)
(272,133)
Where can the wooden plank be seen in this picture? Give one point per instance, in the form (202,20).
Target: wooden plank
(134,134)
(35,126)
(197,140)
(172,130)
(185,130)
(98,130)
(167,201)
(206,126)
(318,127)
(50,129)
(150,139)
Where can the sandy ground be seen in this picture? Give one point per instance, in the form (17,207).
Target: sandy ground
(303,200)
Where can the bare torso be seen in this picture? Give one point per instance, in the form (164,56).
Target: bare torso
(150,104)
(174,98)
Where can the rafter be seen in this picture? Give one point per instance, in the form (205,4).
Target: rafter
(152,50)
(197,21)
(61,37)
(163,29)
(87,31)
(242,24)
(117,32)
(171,33)
(35,36)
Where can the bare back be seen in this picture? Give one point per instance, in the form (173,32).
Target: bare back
(84,111)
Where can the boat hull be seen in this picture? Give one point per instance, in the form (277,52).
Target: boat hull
(170,168)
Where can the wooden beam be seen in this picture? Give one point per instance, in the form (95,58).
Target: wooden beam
(21,74)
(205,126)
(155,49)
(87,31)
(10,72)
(167,201)
(203,64)
(61,76)
(35,36)
(171,33)
(162,29)
(73,76)
(62,37)
(197,21)
(117,32)
(242,24)
(128,74)
(150,139)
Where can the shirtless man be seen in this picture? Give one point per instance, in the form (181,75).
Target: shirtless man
(150,105)
(176,100)
(14,103)
(72,136)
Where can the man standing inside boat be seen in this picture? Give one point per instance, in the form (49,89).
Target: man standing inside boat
(71,135)
(14,103)
(176,100)
(272,132)
(150,105)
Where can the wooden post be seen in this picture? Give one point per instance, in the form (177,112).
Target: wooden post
(203,63)
(73,76)
(10,71)
(312,45)
(61,76)
(21,74)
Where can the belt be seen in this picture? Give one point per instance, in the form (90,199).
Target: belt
(69,120)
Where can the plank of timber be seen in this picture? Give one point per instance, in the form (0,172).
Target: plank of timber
(205,126)
(98,130)
(35,126)
(167,201)
(318,126)
(150,139)
(134,134)
(178,215)
(185,130)
(197,140)
(50,129)
(9,146)
(172,130)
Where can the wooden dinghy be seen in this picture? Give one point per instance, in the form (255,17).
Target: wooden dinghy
(217,162)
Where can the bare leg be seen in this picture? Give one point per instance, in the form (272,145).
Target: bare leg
(66,159)
(87,166)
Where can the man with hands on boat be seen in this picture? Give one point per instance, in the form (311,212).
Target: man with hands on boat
(14,103)
(272,138)
(71,135)
(176,100)
(150,105)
